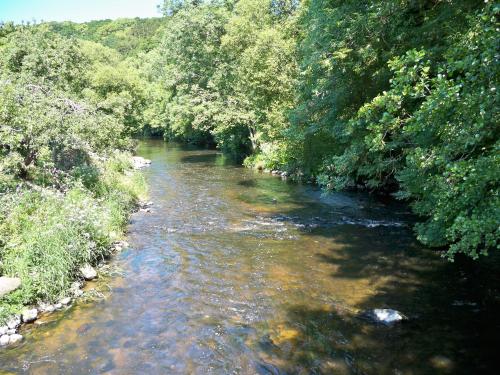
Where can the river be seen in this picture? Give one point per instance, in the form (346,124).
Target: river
(238,272)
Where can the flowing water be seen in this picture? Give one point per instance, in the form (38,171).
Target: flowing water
(237,272)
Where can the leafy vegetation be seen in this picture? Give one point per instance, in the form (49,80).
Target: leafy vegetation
(66,180)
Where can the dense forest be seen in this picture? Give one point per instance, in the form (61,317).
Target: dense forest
(392,97)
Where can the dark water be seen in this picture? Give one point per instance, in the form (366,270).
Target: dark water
(235,272)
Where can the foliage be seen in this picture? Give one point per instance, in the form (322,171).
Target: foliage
(77,227)
(37,56)
(129,37)
(434,133)
(65,187)
(392,96)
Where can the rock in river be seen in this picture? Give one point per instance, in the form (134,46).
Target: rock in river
(29,315)
(386,317)
(65,301)
(15,338)
(88,272)
(139,162)
(8,284)
(4,340)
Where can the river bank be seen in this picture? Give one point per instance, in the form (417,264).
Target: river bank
(53,239)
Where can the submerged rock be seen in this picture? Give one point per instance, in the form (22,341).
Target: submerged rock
(386,317)
(29,315)
(88,272)
(8,284)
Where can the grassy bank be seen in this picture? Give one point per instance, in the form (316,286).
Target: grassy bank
(46,234)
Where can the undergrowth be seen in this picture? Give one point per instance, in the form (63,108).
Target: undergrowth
(46,234)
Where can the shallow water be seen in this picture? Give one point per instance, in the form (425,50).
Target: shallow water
(236,272)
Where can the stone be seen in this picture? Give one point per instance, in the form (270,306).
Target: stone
(29,315)
(11,331)
(3,330)
(65,301)
(58,305)
(4,340)
(8,284)
(15,338)
(14,322)
(386,317)
(46,308)
(139,162)
(88,272)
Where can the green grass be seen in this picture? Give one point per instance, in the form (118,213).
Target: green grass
(46,235)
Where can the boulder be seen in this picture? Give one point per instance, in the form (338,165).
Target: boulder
(14,322)
(46,307)
(4,340)
(65,301)
(29,315)
(386,317)
(8,284)
(88,272)
(139,162)
(15,338)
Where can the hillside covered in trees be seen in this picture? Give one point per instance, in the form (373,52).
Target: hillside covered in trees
(393,97)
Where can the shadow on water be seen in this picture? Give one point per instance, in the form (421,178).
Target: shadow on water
(452,308)
(200,158)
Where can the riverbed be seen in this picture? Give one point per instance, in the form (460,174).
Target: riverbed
(238,272)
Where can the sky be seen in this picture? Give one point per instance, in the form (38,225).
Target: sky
(75,10)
